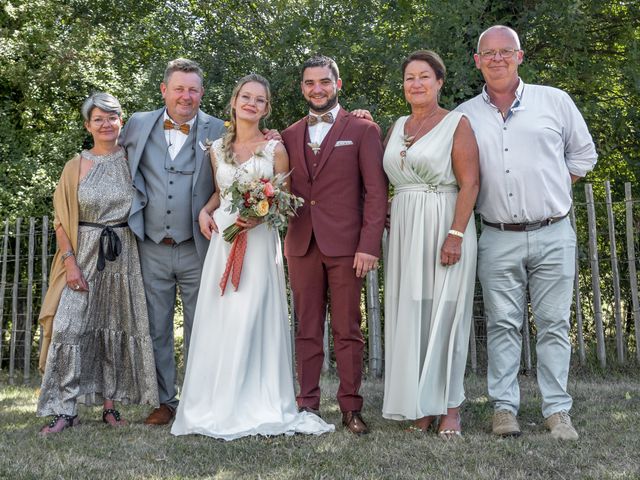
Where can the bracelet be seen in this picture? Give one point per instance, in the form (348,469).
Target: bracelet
(456,233)
(67,254)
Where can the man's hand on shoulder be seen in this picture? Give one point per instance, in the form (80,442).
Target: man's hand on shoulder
(363,263)
(271,134)
(362,113)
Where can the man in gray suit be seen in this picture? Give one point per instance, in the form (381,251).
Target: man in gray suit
(173,180)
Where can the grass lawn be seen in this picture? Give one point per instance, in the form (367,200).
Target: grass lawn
(606,414)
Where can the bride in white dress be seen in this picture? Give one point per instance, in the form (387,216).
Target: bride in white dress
(238,380)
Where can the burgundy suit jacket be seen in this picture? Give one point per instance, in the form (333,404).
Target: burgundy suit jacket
(345,201)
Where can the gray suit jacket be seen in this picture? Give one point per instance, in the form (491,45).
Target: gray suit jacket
(134,137)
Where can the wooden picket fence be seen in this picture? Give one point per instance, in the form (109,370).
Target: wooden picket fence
(606,308)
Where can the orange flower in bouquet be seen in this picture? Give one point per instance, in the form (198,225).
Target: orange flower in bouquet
(261,197)
(258,197)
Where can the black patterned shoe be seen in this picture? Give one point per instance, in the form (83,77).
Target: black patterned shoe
(119,421)
(58,423)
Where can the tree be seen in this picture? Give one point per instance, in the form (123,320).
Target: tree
(54,54)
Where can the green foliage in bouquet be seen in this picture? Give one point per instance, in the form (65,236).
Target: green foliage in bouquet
(261,197)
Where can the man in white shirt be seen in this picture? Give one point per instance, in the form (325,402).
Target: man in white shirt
(533,144)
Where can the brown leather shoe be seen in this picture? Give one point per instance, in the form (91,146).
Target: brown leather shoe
(161,415)
(354,423)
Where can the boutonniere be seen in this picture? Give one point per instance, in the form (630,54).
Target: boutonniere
(206,145)
(315,147)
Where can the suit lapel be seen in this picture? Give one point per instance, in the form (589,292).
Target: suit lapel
(143,136)
(202,128)
(332,138)
(299,145)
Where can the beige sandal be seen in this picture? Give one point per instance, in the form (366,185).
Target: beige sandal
(450,433)
(429,421)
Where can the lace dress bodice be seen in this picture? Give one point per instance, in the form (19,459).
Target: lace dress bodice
(260,164)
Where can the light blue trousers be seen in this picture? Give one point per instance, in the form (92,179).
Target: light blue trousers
(544,261)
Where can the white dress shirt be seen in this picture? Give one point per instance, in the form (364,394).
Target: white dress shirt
(175,138)
(318,131)
(526,159)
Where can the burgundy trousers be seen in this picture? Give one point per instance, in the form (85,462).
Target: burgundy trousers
(316,278)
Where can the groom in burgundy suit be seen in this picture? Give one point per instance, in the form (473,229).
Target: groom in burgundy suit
(336,162)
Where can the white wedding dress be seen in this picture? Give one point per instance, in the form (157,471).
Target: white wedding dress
(238,380)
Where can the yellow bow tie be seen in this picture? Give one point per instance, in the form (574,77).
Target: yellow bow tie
(184,128)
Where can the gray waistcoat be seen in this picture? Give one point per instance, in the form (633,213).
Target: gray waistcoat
(169,185)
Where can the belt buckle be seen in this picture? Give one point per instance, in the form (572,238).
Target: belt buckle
(532,226)
(431,188)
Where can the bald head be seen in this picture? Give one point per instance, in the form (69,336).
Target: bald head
(499,30)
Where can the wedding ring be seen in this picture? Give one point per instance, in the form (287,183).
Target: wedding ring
(77,287)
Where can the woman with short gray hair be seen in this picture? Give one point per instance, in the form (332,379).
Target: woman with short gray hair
(102,101)
(96,344)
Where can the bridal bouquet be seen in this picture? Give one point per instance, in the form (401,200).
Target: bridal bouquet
(261,197)
(258,197)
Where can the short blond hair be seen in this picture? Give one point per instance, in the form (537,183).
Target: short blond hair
(182,65)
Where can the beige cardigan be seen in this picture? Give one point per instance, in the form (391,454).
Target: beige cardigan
(65,205)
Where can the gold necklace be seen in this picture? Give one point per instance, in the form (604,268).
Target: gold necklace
(407,140)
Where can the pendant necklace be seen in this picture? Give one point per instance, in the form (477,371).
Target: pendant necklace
(245,147)
(407,140)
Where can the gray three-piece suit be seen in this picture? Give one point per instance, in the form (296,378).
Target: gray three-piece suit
(169,195)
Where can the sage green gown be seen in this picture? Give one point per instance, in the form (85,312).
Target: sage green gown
(428,307)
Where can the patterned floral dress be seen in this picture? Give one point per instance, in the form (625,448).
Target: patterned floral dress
(100,347)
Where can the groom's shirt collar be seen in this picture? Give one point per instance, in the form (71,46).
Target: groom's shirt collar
(319,131)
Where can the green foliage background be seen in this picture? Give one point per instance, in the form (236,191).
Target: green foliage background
(53,54)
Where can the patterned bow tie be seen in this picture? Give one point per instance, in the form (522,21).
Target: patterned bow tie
(184,128)
(325,117)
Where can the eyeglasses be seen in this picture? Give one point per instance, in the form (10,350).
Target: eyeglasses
(504,53)
(246,98)
(100,121)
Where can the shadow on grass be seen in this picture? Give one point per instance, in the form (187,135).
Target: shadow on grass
(606,414)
